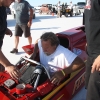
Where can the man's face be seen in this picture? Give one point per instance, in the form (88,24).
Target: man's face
(6,3)
(48,49)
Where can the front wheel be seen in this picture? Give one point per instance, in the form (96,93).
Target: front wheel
(66,14)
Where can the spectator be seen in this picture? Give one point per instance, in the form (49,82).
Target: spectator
(55,57)
(58,10)
(23,22)
(71,5)
(63,9)
(6,65)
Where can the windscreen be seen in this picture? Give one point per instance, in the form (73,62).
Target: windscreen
(81,3)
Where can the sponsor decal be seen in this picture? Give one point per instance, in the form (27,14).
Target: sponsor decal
(79,82)
(77,51)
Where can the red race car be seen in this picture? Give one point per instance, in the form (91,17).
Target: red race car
(34,84)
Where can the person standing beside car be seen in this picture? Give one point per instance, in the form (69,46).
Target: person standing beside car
(24,16)
(4,62)
(58,10)
(71,6)
(92,29)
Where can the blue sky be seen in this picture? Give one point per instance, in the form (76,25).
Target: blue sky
(39,2)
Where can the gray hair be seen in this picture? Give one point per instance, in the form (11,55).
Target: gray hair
(50,36)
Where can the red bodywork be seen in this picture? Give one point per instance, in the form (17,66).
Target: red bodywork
(75,40)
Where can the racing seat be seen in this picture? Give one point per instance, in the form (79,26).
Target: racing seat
(64,41)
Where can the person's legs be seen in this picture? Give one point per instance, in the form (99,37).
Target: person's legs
(93,90)
(18,33)
(92,81)
(27,33)
(58,15)
(88,71)
(16,42)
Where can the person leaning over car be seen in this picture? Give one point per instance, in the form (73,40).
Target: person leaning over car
(58,60)
(24,16)
(10,68)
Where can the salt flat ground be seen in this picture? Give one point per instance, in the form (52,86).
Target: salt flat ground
(42,23)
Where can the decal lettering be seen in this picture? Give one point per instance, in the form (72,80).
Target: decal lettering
(79,82)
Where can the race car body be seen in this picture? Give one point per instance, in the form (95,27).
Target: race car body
(35,84)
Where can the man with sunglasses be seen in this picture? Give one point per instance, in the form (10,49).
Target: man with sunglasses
(6,65)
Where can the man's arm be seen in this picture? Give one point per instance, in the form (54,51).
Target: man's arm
(30,17)
(3,60)
(31,14)
(76,65)
(96,65)
(11,69)
(59,75)
(35,50)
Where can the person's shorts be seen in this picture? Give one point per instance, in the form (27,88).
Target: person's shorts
(22,29)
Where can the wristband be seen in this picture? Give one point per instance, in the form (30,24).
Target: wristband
(63,72)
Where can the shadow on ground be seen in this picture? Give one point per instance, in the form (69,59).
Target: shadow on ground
(45,28)
(45,17)
(19,53)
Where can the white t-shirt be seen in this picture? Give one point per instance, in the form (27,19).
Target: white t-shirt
(58,6)
(61,58)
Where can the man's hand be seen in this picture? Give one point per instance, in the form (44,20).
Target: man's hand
(8,32)
(13,71)
(96,65)
(29,23)
(57,77)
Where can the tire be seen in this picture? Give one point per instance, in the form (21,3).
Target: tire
(61,14)
(71,14)
(66,14)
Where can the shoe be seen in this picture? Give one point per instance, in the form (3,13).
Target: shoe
(14,51)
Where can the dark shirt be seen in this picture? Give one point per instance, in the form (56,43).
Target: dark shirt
(3,24)
(22,12)
(92,27)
